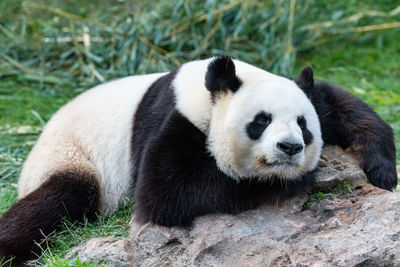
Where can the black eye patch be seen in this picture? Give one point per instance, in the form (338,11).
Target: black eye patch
(301,121)
(307,135)
(260,122)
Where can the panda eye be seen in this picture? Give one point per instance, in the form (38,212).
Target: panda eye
(301,121)
(258,125)
(262,120)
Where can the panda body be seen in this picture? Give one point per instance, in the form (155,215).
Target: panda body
(214,135)
(93,132)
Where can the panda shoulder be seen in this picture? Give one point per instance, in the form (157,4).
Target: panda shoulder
(191,96)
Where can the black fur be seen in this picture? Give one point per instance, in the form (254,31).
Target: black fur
(350,123)
(306,80)
(150,115)
(260,122)
(221,76)
(307,135)
(66,194)
(178,179)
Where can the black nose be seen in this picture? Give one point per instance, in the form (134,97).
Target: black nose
(290,148)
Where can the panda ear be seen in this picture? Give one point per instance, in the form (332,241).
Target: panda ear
(306,80)
(221,76)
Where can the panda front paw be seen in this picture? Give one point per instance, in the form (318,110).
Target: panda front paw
(382,174)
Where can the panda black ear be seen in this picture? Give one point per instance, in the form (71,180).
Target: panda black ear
(221,76)
(306,80)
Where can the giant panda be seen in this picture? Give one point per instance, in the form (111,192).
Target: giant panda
(213,135)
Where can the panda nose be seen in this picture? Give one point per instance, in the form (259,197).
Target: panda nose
(290,148)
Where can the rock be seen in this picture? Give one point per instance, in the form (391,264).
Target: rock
(355,227)
(348,231)
(335,167)
(110,251)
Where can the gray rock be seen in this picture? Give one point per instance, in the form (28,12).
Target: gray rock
(357,228)
(109,251)
(335,166)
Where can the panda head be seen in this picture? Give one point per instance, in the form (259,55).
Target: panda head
(262,126)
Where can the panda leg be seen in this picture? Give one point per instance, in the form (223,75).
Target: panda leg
(67,194)
(350,123)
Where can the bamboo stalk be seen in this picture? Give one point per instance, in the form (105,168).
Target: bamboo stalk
(16,64)
(289,46)
(368,28)
(205,16)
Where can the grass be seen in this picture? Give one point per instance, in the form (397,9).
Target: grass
(339,190)
(59,262)
(116,225)
(44,62)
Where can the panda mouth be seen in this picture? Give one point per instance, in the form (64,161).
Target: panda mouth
(283,163)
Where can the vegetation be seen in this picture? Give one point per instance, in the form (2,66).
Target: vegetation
(51,50)
(342,188)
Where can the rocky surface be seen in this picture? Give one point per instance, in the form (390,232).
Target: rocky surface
(98,250)
(354,225)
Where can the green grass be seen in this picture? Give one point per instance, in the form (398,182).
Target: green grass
(57,262)
(38,76)
(339,190)
(116,225)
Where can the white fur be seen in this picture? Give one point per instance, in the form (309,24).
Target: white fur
(192,98)
(92,133)
(235,153)
(241,157)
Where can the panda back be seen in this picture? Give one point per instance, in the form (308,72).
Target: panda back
(91,133)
